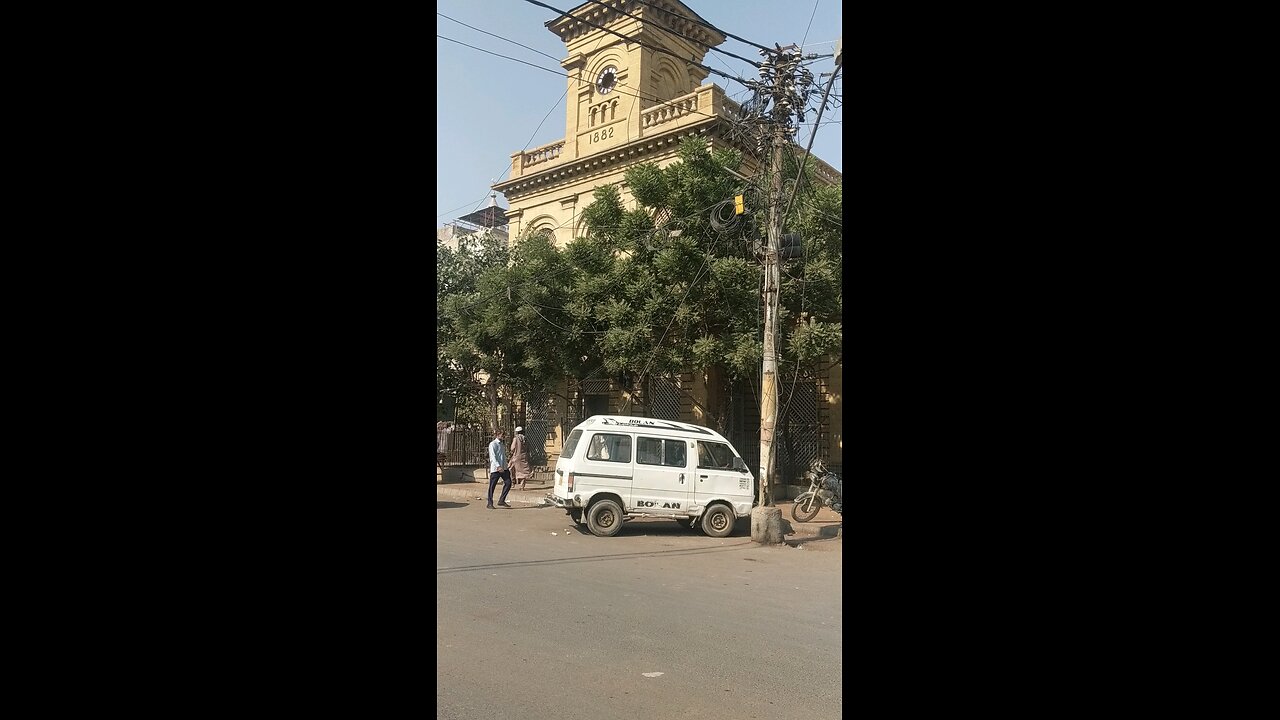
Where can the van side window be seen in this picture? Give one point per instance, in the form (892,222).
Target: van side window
(571,444)
(648,451)
(613,448)
(714,455)
(675,455)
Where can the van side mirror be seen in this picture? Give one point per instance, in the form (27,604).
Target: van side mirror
(738,464)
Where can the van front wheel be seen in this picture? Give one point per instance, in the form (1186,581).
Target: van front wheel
(604,518)
(718,521)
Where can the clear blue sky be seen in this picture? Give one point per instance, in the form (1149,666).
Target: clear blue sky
(488,107)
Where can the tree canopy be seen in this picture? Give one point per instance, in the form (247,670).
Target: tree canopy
(662,284)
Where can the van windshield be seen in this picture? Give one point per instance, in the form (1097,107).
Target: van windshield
(571,444)
(714,455)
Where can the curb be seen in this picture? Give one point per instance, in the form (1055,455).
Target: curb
(534,498)
(469,492)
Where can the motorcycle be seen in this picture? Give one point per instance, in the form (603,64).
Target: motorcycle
(824,489)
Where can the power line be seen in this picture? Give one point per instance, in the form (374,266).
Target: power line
(446,212)
(486,32)
(800,171)
(679,34)
(544,118)
(567,14)
(508,57)
(806,27)
(713,27)
(724,118)
(619,90)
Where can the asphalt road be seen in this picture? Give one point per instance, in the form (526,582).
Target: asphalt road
(533,625)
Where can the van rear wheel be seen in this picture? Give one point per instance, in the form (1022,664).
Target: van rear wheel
(718,521)
(575,515)
(604,518)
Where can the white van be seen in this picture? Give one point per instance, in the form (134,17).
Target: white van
(614,468)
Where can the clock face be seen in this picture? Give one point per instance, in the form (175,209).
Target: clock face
(606,80)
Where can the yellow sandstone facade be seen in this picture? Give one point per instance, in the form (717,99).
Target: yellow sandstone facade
(628,104)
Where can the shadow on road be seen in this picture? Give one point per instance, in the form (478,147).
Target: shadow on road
(665,528)
(598,558)
(442,505)
(829,532)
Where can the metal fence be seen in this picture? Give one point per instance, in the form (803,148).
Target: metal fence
(539,417)
(798,444)
(463,445)
(664,397)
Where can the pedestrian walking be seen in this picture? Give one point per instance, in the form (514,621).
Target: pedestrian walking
(443,431)
(498,469)
(519,467)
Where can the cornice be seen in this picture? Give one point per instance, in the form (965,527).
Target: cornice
(671,14)
(609,161)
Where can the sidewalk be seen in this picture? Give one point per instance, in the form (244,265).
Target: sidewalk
(826,525)
(472,491)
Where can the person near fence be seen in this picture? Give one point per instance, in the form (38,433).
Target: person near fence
(519,467)
(498,469)
(443,430)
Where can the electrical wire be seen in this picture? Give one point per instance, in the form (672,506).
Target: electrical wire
(732,121)
(486,32)
(507,167)
(565,13)
(806,27)
(446,212)
(817,120)
(712,27)
(566,75)
(508,57)
(680,34)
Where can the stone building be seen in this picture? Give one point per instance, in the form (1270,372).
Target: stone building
(629,104)
(491,218)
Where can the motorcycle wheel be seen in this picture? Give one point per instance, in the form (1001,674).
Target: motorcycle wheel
(806,507)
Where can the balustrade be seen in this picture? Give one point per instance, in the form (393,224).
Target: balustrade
(669,111)
(543,154)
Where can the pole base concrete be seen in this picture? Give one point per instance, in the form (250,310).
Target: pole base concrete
(766,525)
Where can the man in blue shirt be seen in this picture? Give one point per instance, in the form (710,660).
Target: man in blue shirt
(498,469)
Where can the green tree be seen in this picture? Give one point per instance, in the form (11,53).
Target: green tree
(500,326)
(467,348)
(671,283)
(663,288)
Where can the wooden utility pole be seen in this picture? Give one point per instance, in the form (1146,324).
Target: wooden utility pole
(781,70)
(772,280)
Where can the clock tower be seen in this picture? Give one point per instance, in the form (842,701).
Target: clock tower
(635,90)
(612,80)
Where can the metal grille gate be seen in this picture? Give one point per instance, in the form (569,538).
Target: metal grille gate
(743,425)
(538,412)
(802,432)
(590,386)
(664,397)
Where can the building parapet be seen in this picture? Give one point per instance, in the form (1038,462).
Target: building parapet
(708,100)
(547,154)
